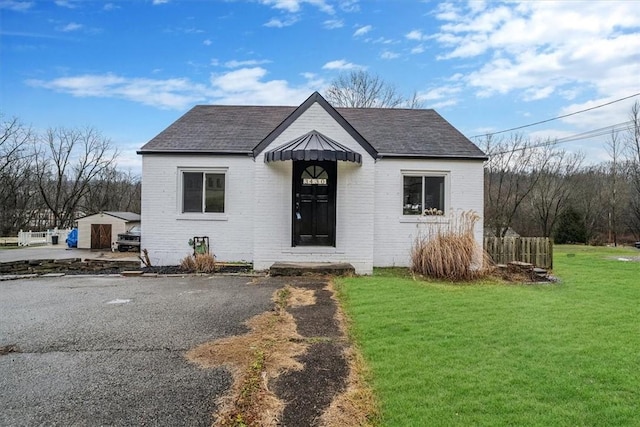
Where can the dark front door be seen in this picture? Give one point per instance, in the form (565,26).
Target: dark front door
(314,203)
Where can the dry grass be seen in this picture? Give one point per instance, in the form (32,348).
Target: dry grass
(449,250)
(200,263)
(301,297)
(267,350)
(357,405)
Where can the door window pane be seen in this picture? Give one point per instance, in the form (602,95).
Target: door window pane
(315,175)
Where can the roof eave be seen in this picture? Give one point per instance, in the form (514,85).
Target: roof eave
(195,152)
(432,156)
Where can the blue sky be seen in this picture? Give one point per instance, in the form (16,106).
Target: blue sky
(130,68)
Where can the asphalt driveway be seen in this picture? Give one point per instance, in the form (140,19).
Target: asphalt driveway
(110,351)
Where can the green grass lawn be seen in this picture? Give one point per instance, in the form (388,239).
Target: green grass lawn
(503,354)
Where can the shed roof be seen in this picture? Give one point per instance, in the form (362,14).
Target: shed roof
(395,132)
(125,216)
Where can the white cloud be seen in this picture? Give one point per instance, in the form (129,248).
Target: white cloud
(293,6)
(542,49)
(207,42)
(349,5)
(414,35)
(70,27)
(164,94)
(341,64)
(382,40)
(418,49)
(246,63)
(536,93)
(438,93)
(441,96)
(442,104)
(246,86)
(15,5)
(156,2)
(387,54)
(323,6)
(277,23)
(362,31)
(111,6)
(240,86)
(66,3)
(331,24)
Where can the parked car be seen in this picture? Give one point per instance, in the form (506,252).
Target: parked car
(637,245)
(129,240)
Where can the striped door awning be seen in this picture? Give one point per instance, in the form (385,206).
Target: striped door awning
(312,146)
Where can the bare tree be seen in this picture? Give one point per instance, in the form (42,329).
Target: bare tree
(113,190)
(613,149)
(14,142)
(361,89)
(550,195)
(632,142)
(66,161)
(511,173)
(589,196)
(16,176)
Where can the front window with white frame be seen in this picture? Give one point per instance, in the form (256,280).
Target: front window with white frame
(424,193)
(203,191)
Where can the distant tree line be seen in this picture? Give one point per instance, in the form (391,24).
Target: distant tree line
(49,179)
(531,186)
(538,189)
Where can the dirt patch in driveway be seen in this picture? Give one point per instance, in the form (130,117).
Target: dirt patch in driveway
(295,367)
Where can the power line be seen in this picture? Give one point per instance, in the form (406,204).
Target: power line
(628,125)
(558,117)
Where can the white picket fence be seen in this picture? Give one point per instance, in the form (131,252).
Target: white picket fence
(27,238)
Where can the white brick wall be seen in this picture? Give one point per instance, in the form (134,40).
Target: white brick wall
(370,228)
(165,231)
(394,234)
(354,202)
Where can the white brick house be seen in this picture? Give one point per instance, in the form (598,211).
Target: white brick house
(304,184)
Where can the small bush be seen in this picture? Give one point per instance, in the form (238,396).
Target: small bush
(200,263)
(449,250)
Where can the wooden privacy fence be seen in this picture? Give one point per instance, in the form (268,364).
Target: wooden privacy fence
(535,250)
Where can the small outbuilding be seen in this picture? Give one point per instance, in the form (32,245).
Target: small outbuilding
(100,230)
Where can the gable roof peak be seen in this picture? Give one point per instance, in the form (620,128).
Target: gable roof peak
(313,99)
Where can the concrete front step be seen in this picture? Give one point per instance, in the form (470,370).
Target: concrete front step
(311,268)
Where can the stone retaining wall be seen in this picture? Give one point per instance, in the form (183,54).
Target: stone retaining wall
(44,266)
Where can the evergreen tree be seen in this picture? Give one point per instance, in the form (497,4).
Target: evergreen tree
(571,228)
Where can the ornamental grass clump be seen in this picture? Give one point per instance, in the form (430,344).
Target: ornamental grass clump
(448,250)
(200,263)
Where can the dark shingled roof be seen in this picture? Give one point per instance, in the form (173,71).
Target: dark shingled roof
(391,132)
